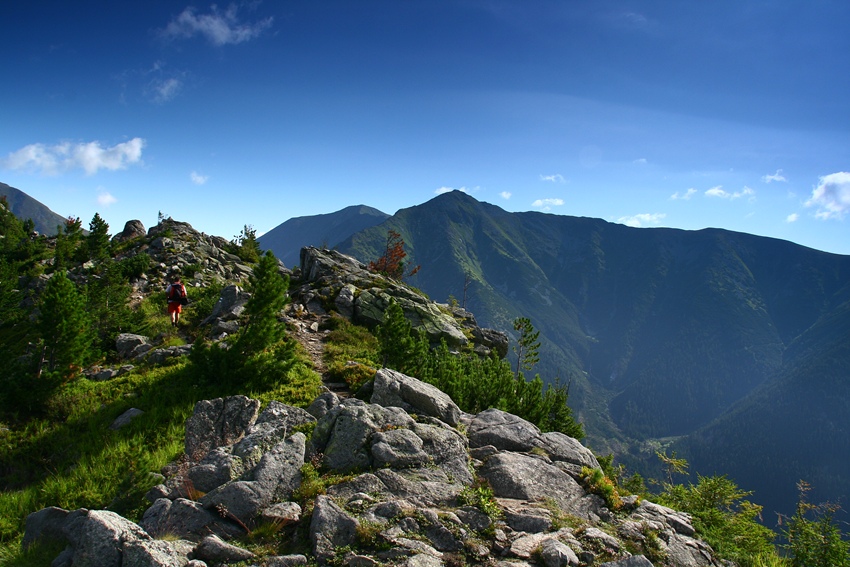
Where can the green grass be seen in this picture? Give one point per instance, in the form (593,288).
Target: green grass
(71,459)
(347,343)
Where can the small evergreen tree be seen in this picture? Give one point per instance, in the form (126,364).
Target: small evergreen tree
(268,298)
(246,245)
(259,354)
(814,540)
(399,347)
(97,241)
(63,325)
(527,348)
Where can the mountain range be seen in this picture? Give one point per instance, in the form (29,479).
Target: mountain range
(327,230)
(731,349)
(25,207)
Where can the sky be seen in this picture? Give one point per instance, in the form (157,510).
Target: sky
(684,114)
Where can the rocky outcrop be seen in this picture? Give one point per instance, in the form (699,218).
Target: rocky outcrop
(132,229)
(331,280)
(406,481)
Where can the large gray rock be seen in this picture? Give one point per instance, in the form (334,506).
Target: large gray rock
(220,466)
(556,554)
(423,314)
(508,432)
(343,434)
(186,519)
(215,551)
(230,305)
(127,344)
(132,229)
(101,537)
(155,553)
(274,479)
(523,477)
(45,525)
(330,528)
(218,422)
(393,388)
(272,426)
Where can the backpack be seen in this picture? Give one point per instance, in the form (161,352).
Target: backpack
(177,293)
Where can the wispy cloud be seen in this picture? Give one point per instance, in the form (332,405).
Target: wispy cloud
(640,161)
(547,204)
(793,217)
(556,178)
(505,195)
(88,156)
(105,198)
(218,27)
(198,179)
(775,177)
(831,196)
(686,196)
(642,219)
(162,90)
(719,192)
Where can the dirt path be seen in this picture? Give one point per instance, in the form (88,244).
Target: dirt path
(312,336)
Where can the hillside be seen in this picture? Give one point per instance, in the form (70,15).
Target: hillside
(155,456)
(663,332)
(287,239)
(25,207)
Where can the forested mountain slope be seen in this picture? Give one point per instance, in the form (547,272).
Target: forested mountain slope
(662,331)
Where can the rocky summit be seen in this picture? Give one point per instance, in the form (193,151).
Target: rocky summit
(406,479)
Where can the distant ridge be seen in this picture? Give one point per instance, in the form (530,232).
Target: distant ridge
(328,230)
(728,347)
(25,207)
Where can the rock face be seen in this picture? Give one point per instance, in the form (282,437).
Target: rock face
(407,473)
(132,229)
(331,280)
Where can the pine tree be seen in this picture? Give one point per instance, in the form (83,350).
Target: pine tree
(246,245)
(63,325)
(268,298)
(97,242)
(399,347)
(527,348)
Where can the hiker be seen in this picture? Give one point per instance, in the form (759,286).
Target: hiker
(176,295)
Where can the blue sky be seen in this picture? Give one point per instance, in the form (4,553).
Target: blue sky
(730,114)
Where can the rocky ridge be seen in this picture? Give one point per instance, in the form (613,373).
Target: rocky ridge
(410,475)
(405,475)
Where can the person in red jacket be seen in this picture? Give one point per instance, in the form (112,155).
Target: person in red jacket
(176,296)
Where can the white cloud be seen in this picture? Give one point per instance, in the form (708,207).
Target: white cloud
(642,219)
(89,156)
(105,198)
(220,28)
(640,161)
(163,90)
(198,179)
(775,177)
(686,196)
(556,178)
(793,217)
(505,194)
(719,192)
(547,204)
(831,196)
